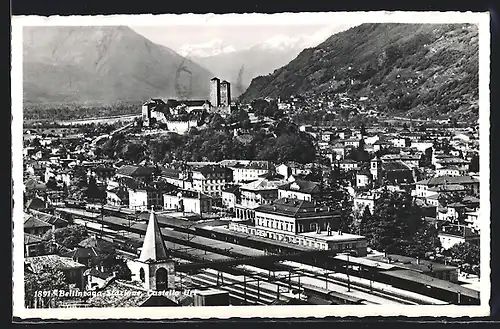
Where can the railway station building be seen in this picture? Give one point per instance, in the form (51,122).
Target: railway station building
(301,223)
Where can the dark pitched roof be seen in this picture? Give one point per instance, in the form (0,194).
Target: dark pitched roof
(394,166)
(194,102)
(136,171)
(50,219)
(295,208)
(170,173)
(81,253)
(36,203)
(33,222)
(234,189)
(303,186)
(450,180)
(210,169)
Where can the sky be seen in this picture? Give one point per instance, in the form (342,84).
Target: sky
(210,40)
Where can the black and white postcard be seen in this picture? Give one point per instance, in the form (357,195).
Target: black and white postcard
(242,165)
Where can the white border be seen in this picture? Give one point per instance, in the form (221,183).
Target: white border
(481,19)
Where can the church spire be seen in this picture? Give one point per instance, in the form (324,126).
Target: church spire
(153,247)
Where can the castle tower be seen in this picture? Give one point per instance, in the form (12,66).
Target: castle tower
(215,92)
(153,267)
(376,168)
(225,93)
(146,114)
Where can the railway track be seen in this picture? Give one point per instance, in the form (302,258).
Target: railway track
(285,281)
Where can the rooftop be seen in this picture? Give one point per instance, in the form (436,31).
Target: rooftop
(422,265)
(135,171)
(448,180)
(394,166)
(153,248)
(36,264)
(263,184)
(33,222)
(296,208)
(335,236)
(300,185)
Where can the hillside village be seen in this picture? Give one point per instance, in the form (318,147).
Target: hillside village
(357,173)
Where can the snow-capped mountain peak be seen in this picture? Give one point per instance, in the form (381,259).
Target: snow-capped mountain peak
(210,48)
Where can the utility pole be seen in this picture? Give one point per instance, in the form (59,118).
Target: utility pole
(258,289)
(245,287)
(348,278)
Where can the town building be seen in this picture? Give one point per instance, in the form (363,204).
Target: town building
(35,226)
(303,223)
(300,189)
(245,171)
(33,245)
(450,235)
(472,220)
(152,111)
(231,196)
(469,183)
(348,165)
(211,179)
(364,200)
(73,271)
(390,172)
(138,173)
(256,193)
(187,201)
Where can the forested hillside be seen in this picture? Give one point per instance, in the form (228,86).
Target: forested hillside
(418,70)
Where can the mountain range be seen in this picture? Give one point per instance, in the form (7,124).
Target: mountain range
(240,67)
(104,65)
(422,70)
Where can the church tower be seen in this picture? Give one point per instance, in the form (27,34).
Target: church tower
(376,168)
(153,267)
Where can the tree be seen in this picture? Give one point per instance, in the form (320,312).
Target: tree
(395,220)
(44,282)
(423,241)
(216,121)
(111,262)
(336,196)
(238,116)
(68,236)
(467,253)
(51,183)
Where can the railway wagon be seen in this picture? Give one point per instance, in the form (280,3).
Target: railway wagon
(79,204)
(426,285)
(336,297)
